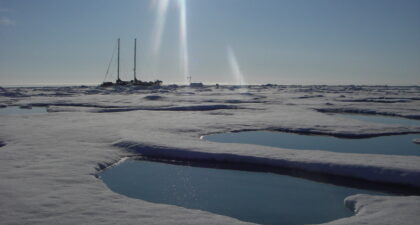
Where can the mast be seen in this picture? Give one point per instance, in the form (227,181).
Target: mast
(118,62)
(135,56)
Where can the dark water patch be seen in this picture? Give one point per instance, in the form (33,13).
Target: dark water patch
(382,119)
(15,110)
(172,108)
(389,145)
(201,108)
(153,97)
(376,100)
(259,197)
(13,94)
(317,132)
(69,104)
(310,96)
(221,113)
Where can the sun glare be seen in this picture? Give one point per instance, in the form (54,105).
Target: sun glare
(235,68)
(162,8)
(183,37)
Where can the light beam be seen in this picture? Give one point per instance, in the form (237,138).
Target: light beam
(183,37)
(162,9)
(235,68)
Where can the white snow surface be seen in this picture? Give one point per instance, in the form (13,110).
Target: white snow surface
(382,210)
(49,161)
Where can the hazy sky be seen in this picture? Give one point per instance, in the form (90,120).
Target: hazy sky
(267,41)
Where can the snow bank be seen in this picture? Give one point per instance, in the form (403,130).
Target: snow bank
(357,168)
(382,210)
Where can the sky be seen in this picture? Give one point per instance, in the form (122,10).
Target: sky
(61,42)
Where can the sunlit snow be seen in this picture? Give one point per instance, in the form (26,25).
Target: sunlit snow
(49,161)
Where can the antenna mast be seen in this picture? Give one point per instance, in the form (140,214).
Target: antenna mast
(118,62)
(135,56)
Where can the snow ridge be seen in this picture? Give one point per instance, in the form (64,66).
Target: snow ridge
(401,176)
(366,112)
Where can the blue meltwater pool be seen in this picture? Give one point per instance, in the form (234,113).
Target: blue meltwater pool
(17,110)
(388,145)
(258,197)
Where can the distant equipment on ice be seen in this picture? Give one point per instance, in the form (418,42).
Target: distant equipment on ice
(194,85)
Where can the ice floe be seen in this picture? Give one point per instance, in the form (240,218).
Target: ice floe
(48,167)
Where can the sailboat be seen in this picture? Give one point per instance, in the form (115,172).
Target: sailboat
(136,82)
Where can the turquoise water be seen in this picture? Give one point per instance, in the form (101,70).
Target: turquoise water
(389,145)
(258,197)
(382,119)
(17,110)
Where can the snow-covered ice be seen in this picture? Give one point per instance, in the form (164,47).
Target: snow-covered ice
(382,210)
(49,161)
